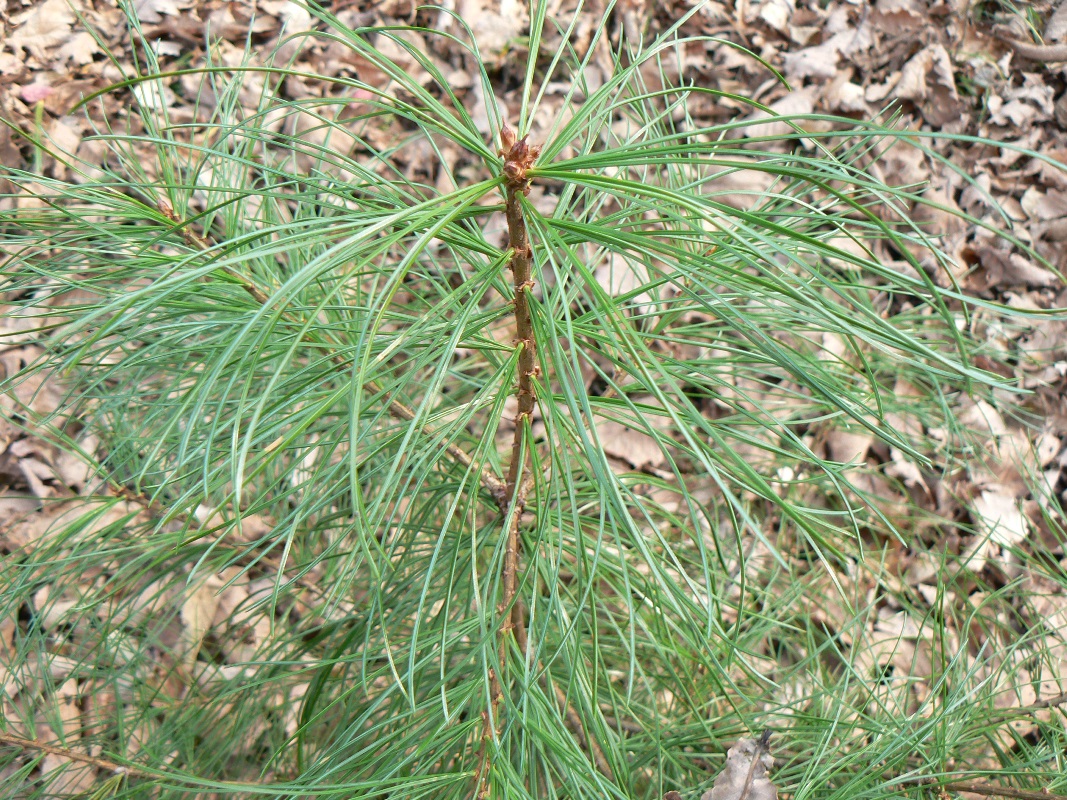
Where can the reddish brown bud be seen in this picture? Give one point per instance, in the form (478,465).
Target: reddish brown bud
(519,155)
(507,138)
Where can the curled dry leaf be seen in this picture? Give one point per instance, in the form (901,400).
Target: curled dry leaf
(799,102)
(635,447)
(928,80)
(745,775)
(198,613)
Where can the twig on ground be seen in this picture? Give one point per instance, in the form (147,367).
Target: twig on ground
(1045,53)
(761,748)
(627,725)
(988,790)
(100,763)
(81,758)
(1011,714)
(1051,702)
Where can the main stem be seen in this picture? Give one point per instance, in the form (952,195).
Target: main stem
(518,157)
(521,268)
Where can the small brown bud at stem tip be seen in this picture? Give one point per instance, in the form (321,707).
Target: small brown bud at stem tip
(507,137)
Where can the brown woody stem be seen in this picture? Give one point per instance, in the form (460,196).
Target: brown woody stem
(521,268)
(1044,53)
(1022,711)
(517,159)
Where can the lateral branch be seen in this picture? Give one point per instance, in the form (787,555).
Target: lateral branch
(494,485)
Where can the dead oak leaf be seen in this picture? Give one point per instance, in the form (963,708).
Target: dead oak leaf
(197,614)
(797,103)
(67,778)
(929,81)
(898,16)
(1056,27)
(849,448)
(153,11)
(77,520)
(777,14)
(1044,206)
(745,775)
(819,61)
(495,25)
(636,448)
(42,28)
(79,48)
(999,517)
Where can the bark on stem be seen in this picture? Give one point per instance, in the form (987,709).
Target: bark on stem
(518,157)
(521,268)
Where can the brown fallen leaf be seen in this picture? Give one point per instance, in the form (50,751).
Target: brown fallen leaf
(41,28)
(496,25)
(1056,27)
(796,103)
(928,80)
(745,775)
(635,447)
(198,613)
(67,777)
